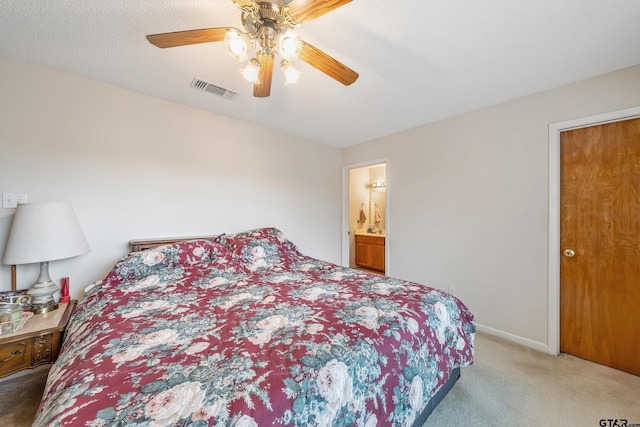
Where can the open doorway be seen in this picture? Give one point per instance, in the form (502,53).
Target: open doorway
(366,217)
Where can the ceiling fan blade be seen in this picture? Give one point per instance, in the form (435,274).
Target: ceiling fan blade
(263,89)
(306,10)
(184,38)
(328,65)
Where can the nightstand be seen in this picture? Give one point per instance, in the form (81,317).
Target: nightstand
(37,343)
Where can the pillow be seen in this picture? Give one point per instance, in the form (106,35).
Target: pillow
(259,243)
(185,253)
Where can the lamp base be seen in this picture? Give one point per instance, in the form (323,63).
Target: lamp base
(44,307)
(42,292)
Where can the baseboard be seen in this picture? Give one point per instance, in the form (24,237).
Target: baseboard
(513,338)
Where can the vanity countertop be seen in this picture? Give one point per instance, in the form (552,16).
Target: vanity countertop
(365,233)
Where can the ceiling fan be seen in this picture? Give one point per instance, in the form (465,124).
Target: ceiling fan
(269,30)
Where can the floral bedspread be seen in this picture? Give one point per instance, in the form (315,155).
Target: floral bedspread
(245,330)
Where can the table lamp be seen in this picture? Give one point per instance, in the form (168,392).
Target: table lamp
(43,232)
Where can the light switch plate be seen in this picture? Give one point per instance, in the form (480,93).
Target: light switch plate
(11,200)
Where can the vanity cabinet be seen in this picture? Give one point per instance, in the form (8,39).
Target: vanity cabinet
(370,252)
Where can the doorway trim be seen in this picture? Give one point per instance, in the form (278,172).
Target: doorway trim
(345,209)
(553,268)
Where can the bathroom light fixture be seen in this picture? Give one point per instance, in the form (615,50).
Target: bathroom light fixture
(379,184)
(43,232)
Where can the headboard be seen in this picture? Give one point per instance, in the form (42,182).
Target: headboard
(142,244)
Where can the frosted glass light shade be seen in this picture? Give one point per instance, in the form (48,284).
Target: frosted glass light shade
(289,45)
(44,232)
(238,44)
(252,71)
(291,74)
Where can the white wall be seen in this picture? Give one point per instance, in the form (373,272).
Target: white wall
(469,194)
(358,196)
(470,200)
(134,166)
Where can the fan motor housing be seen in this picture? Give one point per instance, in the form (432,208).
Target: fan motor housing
(266,13)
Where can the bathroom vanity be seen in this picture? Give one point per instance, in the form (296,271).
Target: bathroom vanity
(370,251)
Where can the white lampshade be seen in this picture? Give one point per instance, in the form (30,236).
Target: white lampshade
(43,232)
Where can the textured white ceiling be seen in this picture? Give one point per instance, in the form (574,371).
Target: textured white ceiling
(419,61)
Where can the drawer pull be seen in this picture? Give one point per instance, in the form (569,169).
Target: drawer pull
(11,356)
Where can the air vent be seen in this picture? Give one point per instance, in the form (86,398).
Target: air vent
(211,88)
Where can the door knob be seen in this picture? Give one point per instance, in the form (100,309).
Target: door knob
(568,253)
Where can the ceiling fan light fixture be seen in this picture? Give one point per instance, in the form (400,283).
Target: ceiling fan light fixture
(238,44)
(291,73)
(289,45)
(269,33)
(252,71)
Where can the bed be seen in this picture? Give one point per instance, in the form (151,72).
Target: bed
(245,330)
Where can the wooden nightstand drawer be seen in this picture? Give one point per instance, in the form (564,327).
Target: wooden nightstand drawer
(38,343)
(14,356)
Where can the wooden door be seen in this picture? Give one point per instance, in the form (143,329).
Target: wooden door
(600,244)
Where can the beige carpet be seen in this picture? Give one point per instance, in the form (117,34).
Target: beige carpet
(508,385)
(20,397)
(511,385)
